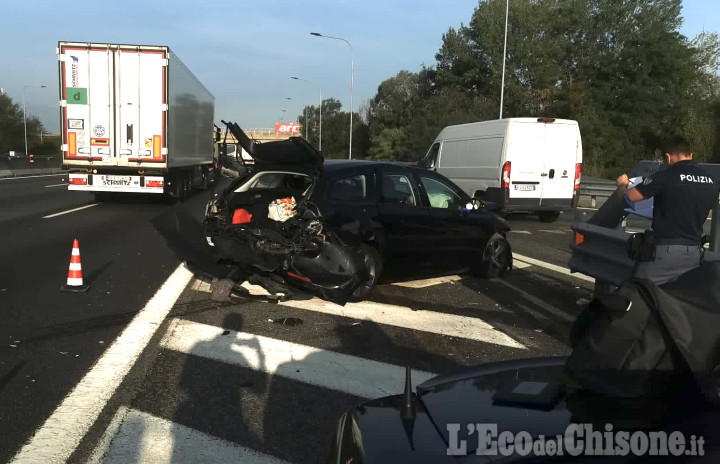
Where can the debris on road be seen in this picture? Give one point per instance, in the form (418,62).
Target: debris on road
(221,289)
(291,321)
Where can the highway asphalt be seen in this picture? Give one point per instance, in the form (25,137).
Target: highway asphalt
(247,379)
(50,339)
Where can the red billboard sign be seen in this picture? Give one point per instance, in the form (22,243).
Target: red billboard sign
(287,129)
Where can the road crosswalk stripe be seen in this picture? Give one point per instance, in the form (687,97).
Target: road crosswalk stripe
(335,371)
(147,439)
(402,316)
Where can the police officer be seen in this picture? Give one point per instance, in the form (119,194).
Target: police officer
(684,194)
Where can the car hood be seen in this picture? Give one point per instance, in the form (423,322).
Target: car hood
(377,429)
(294,154)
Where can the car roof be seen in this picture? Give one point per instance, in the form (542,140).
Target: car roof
(332,165)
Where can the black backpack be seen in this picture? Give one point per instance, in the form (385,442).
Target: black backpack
(649,341)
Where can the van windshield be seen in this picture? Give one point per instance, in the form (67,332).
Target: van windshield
(430,160)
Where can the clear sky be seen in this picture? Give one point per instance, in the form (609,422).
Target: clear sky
(246,51)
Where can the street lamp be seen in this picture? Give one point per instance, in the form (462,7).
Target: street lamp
(306,126)
(502,85)
(352,78)
(308,80)
(25,112)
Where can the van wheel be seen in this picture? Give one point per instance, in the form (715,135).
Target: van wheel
(548,216)
(496,258)
(373,262)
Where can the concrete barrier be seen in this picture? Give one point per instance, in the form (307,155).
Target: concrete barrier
(23,167)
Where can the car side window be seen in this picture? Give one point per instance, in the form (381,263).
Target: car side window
(350,188)
(430,160)
(440,194)
(397,188)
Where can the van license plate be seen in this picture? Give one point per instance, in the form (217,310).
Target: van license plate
(525,188)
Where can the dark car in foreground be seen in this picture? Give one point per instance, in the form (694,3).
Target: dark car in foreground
(333,226)
(642,384)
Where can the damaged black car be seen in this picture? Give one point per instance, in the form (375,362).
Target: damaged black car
(332,227)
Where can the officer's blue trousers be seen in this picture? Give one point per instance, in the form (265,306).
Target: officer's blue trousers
(671,261)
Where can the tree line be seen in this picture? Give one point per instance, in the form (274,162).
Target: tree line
(12,131)
(621,68)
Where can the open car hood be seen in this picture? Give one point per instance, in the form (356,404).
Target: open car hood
(294,154)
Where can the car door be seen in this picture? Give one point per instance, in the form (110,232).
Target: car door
(348,200)
(404,219)
(454,235)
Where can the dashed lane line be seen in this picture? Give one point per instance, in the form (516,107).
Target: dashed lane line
(32,177)
(70,211)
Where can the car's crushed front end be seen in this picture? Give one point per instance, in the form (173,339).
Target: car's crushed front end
(262,222)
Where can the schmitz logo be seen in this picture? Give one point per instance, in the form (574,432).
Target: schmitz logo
(282,128)
(74,71)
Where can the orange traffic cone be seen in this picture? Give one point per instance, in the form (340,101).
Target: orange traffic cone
(75,279)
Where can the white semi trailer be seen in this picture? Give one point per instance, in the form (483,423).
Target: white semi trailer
(134,119)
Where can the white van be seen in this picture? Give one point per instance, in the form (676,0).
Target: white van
(522,164)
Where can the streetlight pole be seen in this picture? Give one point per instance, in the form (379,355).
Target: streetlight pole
(25,113)
(352,78)
(308,80)
(502,85)
(306,126)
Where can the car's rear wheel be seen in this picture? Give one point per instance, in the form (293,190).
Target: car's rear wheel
(496,258)
(548,216)
(373,263)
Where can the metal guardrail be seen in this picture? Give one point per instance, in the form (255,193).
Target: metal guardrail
(597,188)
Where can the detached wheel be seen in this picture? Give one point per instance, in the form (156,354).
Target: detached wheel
(373,263)
(548,216)
(496,259)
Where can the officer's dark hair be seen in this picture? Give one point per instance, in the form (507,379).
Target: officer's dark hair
(677,145)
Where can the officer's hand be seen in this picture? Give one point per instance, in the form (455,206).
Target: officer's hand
(623,181)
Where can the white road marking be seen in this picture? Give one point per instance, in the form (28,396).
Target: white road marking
(148,439)
(521,232)
(562,232)
(32,177)
(56,440)
(56,185)
(70,211)
(538,302)
(397,316)
(336,371)
(552,267)
(450,325)
(517,264)
(428,282)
